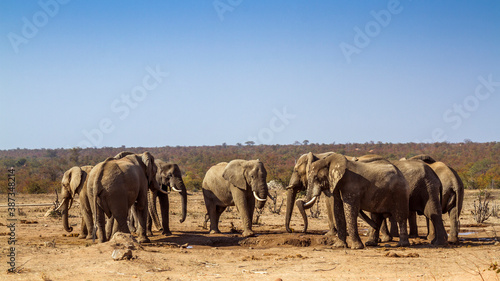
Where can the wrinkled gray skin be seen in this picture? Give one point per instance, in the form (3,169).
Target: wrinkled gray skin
(237,183)
(379,188)
(168,176)
(298,182)
(452,194)
(424,186)
(74,182)
(118,184)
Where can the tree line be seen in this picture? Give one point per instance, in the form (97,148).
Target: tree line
(41,170)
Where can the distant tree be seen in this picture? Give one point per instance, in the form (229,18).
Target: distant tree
(250,143)
(305,142)
(296,143)
(239,144)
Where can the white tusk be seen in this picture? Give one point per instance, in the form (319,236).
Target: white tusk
(60,205)
(70,203)
(175,189)
(257,197)
(310,203)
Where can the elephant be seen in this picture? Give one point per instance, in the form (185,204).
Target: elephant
(298,182)
(452,194)
(74,182)
(168,176)
(424,186)
(379,188)
(238,183)
(118,184)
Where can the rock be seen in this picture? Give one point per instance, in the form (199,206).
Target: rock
(125,240)
(121,254)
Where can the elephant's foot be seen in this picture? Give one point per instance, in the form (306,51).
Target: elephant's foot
(143,239)
(453,239)
(168,233)
(248,233)
(439,242)
(403,243)
(386,238)
(149,233)
(371,243)
(357,245)
(214,231)
(82,236)
(340,244)
(331,232)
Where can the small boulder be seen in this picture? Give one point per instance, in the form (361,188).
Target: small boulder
(121,254)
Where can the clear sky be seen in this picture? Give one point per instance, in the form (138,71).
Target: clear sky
(156,73)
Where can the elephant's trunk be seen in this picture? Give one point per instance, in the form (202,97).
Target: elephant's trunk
(183,194)
(290,199)
(177,185)
(300,206)
(260,194)
(153,212)
(64,207)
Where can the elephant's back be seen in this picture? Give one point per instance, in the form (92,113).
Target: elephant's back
(213,177)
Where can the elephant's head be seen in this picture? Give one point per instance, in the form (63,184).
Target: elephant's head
(323,174)
(299,181)
(248,175)
(169,176)
(72,183)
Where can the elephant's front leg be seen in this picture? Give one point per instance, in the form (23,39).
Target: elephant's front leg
(245,203)
(332,231)
(351,212)
(339,214)
(164,207)
(141,210)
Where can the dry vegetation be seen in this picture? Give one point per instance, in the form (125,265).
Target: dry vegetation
(46,252)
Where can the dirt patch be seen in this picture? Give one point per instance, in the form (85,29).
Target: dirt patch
(44,251)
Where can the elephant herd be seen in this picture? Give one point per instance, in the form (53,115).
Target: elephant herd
(120,193)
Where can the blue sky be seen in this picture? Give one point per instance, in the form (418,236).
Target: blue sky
(156,73)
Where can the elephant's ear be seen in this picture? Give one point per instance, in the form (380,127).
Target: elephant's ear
(75,175)
(310,159)
(235,174)
(149,161)
(338,165)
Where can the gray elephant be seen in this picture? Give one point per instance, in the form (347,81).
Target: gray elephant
(379,188)
(237,183)
(168,176)
(74,182)
(452,194)
(424,186)
(118,184)
(298,182)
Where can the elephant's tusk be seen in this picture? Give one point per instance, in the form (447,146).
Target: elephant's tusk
(176,190)
(60,205)
(70,203)
(257,197)
(310,203)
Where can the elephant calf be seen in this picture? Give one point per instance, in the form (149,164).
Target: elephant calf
(237,183)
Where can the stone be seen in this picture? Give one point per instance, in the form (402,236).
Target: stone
(121,254)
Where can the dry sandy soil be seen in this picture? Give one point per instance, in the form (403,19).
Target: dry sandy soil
(46,252)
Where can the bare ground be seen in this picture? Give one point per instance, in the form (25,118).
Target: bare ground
(46,252)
